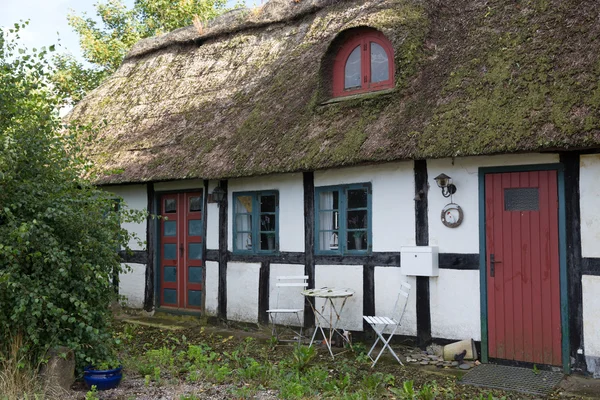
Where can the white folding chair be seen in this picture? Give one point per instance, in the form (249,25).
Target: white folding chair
(379,324)
(288,285)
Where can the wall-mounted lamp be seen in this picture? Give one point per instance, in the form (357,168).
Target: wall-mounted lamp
(218,195)
(445,182)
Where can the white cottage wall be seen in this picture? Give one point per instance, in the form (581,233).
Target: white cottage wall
(211,289)
(591,322)
(212,221)
(465,175)
(387,284)
(455,305)
(589,191)
(242,291)
(135,197)
(343,276)
(393,200)
(132,285)
(289,297)
(291,207)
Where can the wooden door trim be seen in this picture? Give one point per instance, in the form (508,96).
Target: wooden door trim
(562,242)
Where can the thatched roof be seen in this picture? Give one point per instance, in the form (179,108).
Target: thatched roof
(249,95)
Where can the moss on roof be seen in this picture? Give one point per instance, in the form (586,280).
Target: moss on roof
(247,97)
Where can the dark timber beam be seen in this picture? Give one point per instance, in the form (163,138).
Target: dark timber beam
(422,239)
(151,245)
(308,179)
(575,262)
(222,309)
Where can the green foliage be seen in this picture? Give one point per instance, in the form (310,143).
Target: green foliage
(105,44)
(92,394)
(59,234)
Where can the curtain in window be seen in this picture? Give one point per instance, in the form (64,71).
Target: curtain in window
(325,220)
(243,222)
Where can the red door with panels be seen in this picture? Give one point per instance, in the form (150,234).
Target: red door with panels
(522,267)
(181,247)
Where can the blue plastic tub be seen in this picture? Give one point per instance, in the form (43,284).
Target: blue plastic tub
(103,380)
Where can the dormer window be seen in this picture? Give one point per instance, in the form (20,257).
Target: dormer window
(364,63)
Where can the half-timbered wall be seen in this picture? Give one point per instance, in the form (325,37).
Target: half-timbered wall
(247,282)
(589,191)
(132,284)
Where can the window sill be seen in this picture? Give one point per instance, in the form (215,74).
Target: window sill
(359,96)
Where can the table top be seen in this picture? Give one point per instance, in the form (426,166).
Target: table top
(328,292)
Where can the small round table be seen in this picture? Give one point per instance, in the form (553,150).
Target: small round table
(326,314)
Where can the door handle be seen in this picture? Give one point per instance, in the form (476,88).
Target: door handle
(181,250)
(493,263)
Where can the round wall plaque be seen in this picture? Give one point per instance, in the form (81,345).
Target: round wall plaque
(452,215)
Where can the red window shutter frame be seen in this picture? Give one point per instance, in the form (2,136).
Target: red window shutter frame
(362,39)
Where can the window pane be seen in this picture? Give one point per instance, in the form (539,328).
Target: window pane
(170,251)
(194,298)
(170,205)
(195,275)
(195,251)
(328,240)
(195,203)
(267,241)
(380,67)
(170,296)
(329,200)
(357,219)
(170,274)
(357,240)
(357,198)
(195,227)
(243,204)
(243,241)
(267,203)
(243,223)
(522,199)
(170,228)
(353,71)
(267,222)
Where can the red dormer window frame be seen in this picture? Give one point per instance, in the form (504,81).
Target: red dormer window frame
(364,39)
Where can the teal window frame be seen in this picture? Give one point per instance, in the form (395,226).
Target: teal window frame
(255,215)
(343,230)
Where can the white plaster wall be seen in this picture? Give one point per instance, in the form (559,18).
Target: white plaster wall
(591,314)
(212,221)
(132,285)
(289,297)
(455,306)
(465,175)
(135,197)
(211,289)
(589,191)
(291,206)
(242,291)
(393,200)
(343,276)
(387,285)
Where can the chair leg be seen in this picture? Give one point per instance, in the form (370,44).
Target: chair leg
(386,344)
(376,341)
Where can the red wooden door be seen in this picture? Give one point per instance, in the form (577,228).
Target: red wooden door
(181,236)
(522,258)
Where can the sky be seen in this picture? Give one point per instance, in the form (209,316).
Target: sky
(47,17)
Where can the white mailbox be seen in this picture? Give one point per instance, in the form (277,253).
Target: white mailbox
(419,260)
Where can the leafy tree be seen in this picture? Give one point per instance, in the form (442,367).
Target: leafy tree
(105,45)
(59,234)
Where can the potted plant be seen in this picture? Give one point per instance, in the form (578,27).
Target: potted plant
(104,375)
(358,239)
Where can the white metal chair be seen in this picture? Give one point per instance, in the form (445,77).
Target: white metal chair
(379,324)
(288,285)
